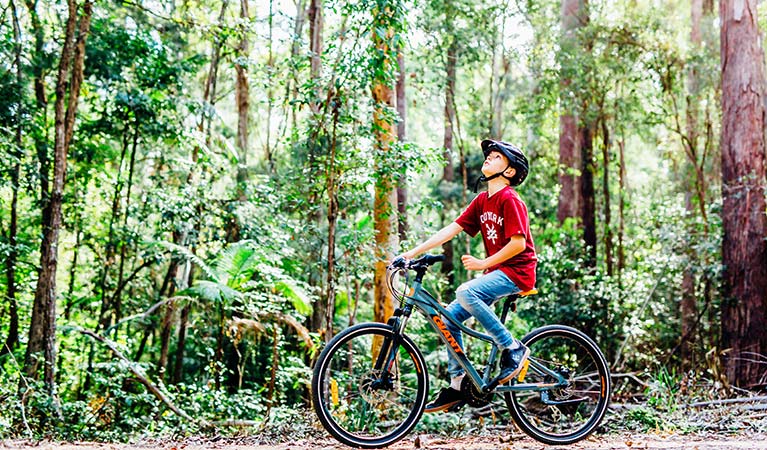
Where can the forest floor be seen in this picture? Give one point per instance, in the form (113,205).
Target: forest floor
(433,442)
(729,424)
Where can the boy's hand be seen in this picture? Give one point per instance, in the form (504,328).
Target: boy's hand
(472,263)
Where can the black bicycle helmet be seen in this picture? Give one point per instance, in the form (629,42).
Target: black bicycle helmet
(516,158)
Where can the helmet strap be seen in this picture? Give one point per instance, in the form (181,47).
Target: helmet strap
(483,178)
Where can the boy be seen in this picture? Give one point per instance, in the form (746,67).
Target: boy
(501,216)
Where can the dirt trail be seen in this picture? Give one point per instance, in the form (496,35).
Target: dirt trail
(432,442)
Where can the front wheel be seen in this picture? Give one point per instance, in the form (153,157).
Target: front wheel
(360,403)
(562,414)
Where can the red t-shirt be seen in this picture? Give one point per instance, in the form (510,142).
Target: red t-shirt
(499,218)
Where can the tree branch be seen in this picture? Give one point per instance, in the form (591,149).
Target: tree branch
(153,388)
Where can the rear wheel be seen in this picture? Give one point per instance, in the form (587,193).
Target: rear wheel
(564,414)
(356,403)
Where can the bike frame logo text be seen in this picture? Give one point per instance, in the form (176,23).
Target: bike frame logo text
(450,339)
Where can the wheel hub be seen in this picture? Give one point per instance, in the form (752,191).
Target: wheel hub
(372,389)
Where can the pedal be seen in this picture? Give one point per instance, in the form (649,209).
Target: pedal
(523,372)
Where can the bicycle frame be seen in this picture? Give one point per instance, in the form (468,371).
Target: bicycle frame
(433,311)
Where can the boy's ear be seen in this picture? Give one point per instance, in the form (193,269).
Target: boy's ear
(510,172)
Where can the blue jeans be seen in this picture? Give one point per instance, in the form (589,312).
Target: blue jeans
(474,298)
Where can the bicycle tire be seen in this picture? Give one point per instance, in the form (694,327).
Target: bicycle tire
(588,390)
(342,396)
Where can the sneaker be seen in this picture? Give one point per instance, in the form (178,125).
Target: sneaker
(447,399)
(512,362)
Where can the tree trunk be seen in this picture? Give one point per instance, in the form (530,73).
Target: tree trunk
(117,298)
(270,91)
(331,188)
(315,48)
(218,355)
(708,7)
(621,209)
(448,172)
(385,202)
(569,172)
(402,137)
(104,314)
(314,16)
(243,102)
(209,94)
(165,333)
(384,211)
(588,204)
(273,372)
(574,16)
(295,49)
(607,226)
(744,249)
(16,153)
(688,310)
(167,321)
(41,105)
(78,221)
(504,88)
(178,367)
(42,333)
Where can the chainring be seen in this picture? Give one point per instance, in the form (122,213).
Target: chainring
(473,396)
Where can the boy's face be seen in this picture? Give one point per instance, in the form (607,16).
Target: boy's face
(496,162)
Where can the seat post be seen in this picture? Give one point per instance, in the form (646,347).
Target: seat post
(509,302)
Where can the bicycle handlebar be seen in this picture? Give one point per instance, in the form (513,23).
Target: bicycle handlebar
(419,263)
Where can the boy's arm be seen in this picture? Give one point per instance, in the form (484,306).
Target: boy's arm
(442,236)
(513,248)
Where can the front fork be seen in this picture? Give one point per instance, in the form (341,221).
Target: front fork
(387,357)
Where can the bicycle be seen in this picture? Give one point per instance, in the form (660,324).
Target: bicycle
(370,382)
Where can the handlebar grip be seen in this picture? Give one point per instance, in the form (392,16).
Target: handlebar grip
(427,260)
(432,259)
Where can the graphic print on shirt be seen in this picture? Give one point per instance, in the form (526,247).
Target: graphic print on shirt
(489,220)
(491,233)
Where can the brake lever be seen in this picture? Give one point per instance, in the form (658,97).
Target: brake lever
(399,263)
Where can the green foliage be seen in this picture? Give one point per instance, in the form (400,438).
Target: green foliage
(662,410)
(662,394)
(206,402)
(117,406)
(644,419)
(158,233)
